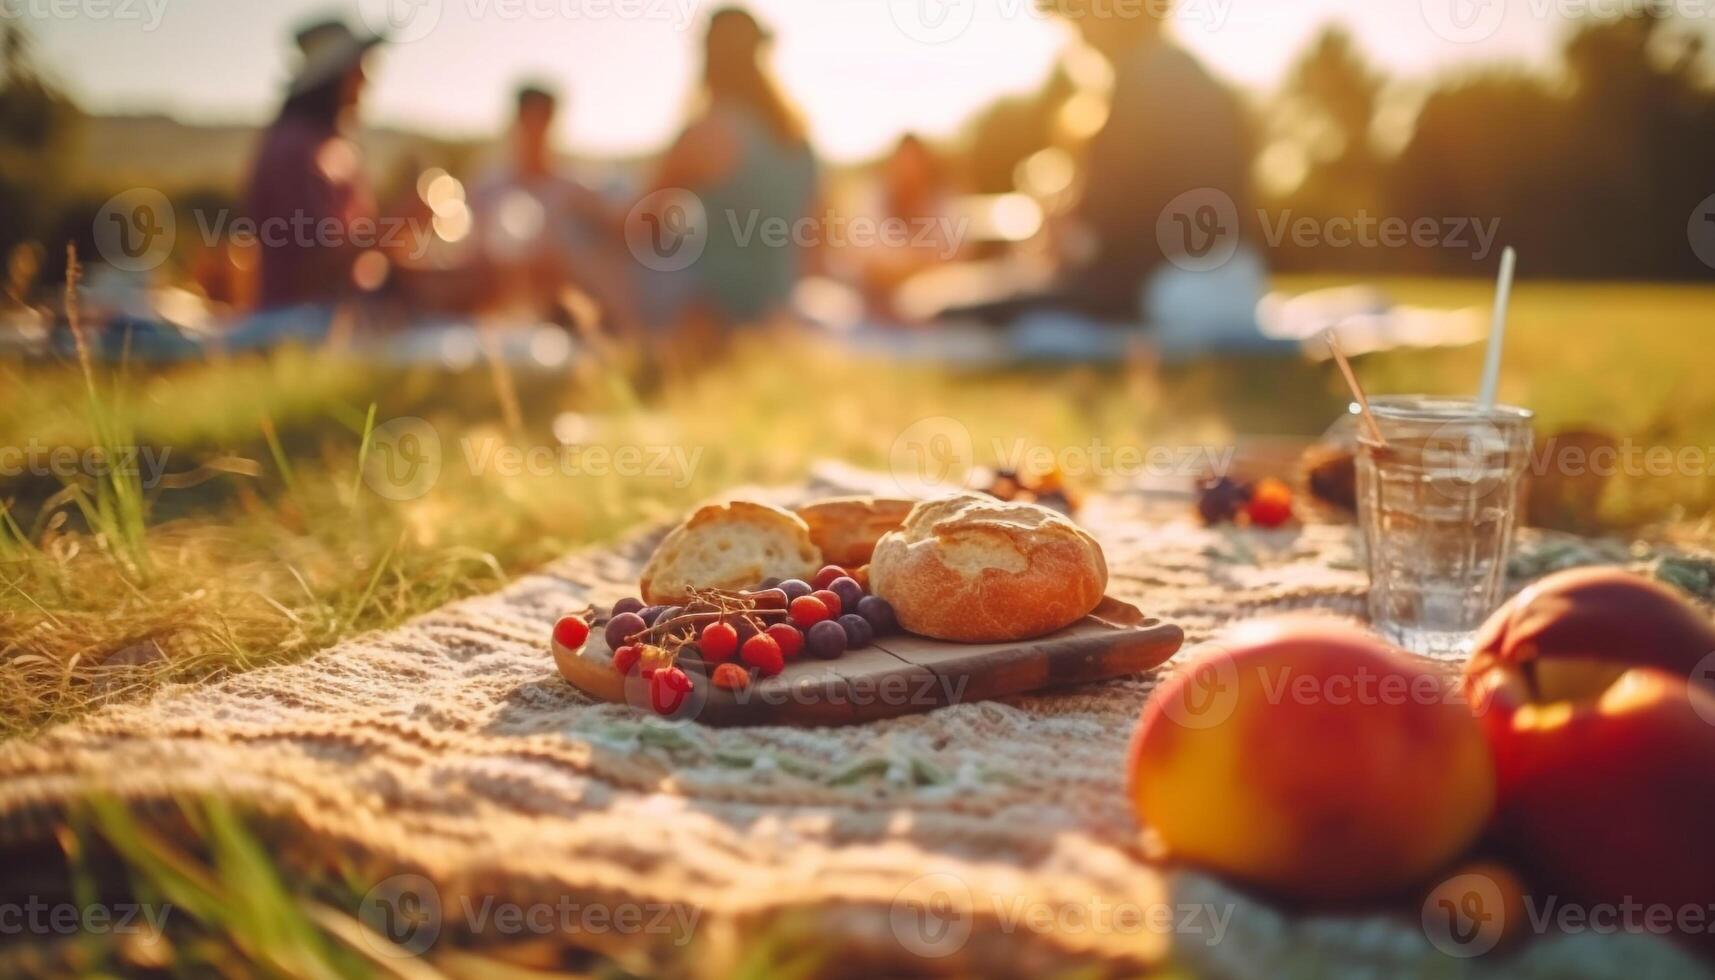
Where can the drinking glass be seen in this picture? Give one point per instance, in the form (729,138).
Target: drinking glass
(1437,500)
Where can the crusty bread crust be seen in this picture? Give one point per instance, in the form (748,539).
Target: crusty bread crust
(729,546)
(978,570)
(847,528)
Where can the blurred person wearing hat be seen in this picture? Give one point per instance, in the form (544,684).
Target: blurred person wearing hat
(748,160)
(541,229)
(308,193)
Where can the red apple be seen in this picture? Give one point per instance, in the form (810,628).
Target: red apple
(1598,614)
(1606,779)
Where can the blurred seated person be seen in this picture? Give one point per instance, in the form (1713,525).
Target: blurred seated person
(747,159)
(1172,128)
(541,230)
(913,218)
(308,176)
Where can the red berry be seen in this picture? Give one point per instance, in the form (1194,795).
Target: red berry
(761,652)
(787,636)
(718,642)
(826,576)
(731,677)
(626,657)
(807,611)
(1271,503)
(831,600)
(668,689)
(571,632)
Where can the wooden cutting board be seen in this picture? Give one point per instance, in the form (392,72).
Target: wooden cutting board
(899,675)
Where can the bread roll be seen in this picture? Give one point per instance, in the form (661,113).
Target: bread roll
(847,528)
(729,546)
(979,570)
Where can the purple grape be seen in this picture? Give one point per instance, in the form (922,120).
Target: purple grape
(651,614)
(769,599)
(670,613)
(620,627)
(795,587)
(878,613)
(826,640)
(1220,500)
(849,591)
(629,604)
(744,628)
(859,633)
(768,583)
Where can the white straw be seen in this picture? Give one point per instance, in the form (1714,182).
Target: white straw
(1497,331)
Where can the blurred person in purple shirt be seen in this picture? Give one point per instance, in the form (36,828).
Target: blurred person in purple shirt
(308,194)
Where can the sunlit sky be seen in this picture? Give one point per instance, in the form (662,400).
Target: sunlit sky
(862,70)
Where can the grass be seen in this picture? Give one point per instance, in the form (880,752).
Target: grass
(197,893)
(265,542)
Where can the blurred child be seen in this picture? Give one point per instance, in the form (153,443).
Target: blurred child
(913,220)
(540,229)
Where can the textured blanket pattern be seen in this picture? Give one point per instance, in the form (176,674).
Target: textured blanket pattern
(450,749)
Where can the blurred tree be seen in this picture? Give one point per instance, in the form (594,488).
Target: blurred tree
(1339,91)
(1324,116)
(1596,177)
(1494,147)
(1638,107)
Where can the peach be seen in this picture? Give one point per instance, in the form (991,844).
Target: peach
(1311,759)
(1604,788)
(1601,614)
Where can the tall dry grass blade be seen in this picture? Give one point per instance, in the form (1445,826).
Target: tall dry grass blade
(374,582)
(500,375)
(74,272)
(363,454)
(118,512)
(288,475)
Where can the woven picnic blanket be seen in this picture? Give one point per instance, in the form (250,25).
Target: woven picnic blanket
(991,838)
